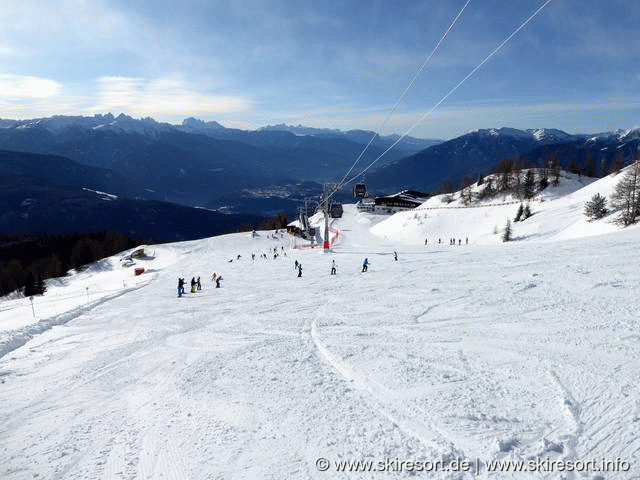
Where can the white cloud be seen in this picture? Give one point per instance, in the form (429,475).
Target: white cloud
(7,51)
(161,98)
(22,86)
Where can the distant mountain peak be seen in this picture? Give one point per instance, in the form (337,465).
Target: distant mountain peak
(195,124)
(541,135)
(300,129)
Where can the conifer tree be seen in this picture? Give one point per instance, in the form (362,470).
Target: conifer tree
(40,286)
(626,196)
(554,166)
(543,183)
(519,214)
(29,285)
(529,186)
(488,191)
(596,208)
(506,236)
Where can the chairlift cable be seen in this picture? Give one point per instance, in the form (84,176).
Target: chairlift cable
(469,75)
(404,93)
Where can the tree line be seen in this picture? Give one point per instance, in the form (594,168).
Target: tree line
(517,176)
(277,222)
(27,260)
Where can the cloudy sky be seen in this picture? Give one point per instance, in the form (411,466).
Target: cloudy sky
(325,63)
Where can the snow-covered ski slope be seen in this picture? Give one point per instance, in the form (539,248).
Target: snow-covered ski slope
(521,351)
(557,215)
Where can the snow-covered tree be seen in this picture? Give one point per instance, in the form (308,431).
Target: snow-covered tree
(543,181)
(504,169)
(506,236)
(465,189)
(488,191)
(554,166)
(596,208)
(626,196)
(529,185)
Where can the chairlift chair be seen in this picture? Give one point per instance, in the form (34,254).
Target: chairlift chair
(359,190)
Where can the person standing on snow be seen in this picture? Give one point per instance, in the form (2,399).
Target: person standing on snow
(198,284)
(395,256)
(218,281)
(333,267)
(180,286)
(365,265)
(299,270)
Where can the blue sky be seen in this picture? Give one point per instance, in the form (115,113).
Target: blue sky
(336,64)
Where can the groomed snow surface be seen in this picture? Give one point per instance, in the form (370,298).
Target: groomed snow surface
(527,350)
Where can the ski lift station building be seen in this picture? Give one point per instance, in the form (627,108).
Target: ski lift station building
(389,204)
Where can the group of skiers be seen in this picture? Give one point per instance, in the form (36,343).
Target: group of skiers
(452,241)
(264,255)
(196,285)
(334,269)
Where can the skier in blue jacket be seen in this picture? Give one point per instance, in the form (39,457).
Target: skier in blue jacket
(365,265)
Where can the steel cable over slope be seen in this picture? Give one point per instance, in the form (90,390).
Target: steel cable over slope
(469,75)
(402,95)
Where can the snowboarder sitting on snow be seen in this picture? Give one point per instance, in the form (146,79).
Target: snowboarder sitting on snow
(365,265)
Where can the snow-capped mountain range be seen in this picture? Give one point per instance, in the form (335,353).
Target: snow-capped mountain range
(478,152)
(204,164)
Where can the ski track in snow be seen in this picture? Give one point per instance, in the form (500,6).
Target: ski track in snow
(478,351)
